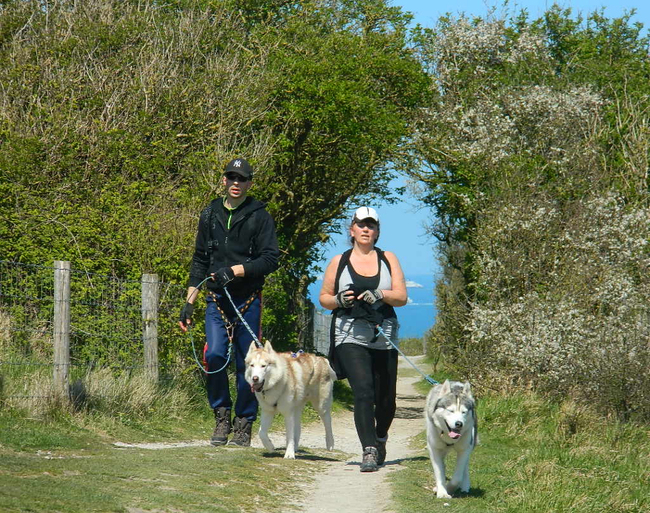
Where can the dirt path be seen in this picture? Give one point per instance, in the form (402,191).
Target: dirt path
(341,488)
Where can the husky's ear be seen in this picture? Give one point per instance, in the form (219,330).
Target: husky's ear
(267,346)
(446,388)
(467,389)
(251,348)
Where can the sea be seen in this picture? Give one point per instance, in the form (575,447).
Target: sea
(417,316)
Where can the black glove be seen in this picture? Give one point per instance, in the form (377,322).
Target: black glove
(372,296)
(186,314)
(343,301)
(223,276)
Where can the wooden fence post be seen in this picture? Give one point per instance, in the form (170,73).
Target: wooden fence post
(150,298)
(61,328)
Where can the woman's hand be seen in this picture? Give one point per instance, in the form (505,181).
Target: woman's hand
(345,299)
(371,296)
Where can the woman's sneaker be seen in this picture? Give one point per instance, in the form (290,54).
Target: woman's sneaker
(369,463)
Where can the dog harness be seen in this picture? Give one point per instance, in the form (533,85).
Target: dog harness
(230,325)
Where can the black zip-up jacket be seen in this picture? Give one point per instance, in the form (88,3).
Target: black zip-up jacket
(251,241)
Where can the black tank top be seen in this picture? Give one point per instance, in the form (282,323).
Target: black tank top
(363,282)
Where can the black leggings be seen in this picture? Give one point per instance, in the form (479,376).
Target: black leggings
(372,374)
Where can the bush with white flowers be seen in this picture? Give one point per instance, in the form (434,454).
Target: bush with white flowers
(538,171)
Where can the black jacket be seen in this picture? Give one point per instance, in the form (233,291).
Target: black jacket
(251,241)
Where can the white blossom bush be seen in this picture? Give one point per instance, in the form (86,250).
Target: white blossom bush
(569,313)
(530,120)
(551,123)
(479,119)
(538,171)
(528,46)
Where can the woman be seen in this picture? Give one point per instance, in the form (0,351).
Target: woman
(362,286)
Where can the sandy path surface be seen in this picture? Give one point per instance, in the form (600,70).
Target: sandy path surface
(341,488)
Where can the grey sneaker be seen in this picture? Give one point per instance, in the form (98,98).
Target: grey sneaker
(369,463)
(222,428)
(381,451)
(242,429)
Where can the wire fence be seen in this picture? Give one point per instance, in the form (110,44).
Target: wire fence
(321,331)
(105,326)
(107,329)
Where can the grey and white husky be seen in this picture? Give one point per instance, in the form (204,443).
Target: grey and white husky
(450,416)
(284,383)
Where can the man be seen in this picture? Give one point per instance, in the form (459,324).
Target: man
(236,245)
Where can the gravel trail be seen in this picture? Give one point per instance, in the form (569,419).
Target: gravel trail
(341,487)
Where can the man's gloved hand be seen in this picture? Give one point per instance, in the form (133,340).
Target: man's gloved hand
(223,276)
(372,296)
(186,314)
(344,299)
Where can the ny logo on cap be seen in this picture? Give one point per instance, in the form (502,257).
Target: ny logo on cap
(236,163)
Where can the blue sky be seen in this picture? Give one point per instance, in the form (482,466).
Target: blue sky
(402,231)
(403,225)
(428,11)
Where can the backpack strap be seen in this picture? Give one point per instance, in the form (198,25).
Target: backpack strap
(345,258)
(253,220)
(209,220)
(335,364)
(382,258)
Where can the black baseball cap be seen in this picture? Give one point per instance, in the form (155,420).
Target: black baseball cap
(239,166)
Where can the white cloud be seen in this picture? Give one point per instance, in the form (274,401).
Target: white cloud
(410,284)
(410,302)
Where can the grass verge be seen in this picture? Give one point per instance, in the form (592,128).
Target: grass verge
(71,464)
(538,456)
(100,477)
(63,458)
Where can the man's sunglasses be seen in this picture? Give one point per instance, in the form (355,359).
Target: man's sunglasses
(234,177)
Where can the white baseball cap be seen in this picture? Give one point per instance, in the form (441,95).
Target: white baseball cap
(365,213)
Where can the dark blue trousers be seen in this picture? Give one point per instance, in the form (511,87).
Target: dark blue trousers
(216,353)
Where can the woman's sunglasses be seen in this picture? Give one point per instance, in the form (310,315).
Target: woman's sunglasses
(371,225)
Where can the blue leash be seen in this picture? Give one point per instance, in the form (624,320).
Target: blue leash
(200,365)
(230,344)
(258,344)
(428,378)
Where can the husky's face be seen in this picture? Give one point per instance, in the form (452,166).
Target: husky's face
(258,365)
(453,411)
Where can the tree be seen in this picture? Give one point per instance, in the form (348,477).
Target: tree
(116,119)
(340,115)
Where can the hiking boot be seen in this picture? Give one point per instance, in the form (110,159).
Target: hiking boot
(369,463)
(381,451)
(241,426)
(222,429)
